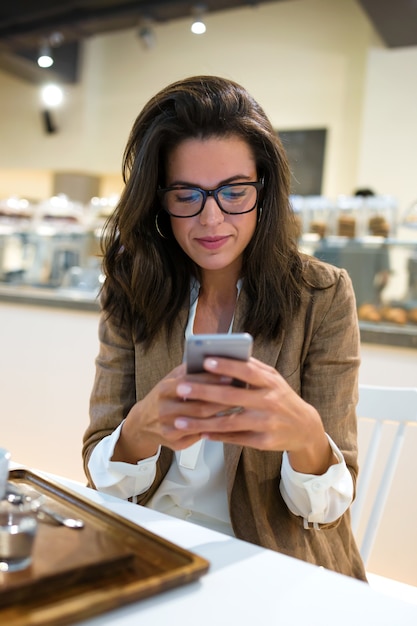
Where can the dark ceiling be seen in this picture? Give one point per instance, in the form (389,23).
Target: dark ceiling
(25,23)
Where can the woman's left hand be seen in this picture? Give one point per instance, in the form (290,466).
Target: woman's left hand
(266,415)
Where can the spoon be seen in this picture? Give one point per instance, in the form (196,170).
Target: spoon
(15,497)
(69,522)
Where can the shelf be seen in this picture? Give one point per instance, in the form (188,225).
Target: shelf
(54,298)
(389,334)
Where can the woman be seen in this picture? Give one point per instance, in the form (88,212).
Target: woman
(202,241)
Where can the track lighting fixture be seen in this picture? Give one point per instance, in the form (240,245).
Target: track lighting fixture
(146,33)
(198,26)
(51,97)
(45,58)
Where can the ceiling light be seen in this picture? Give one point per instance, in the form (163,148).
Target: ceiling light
(45,58)
(146,33)
(198,26)
(56,39)
(52,95)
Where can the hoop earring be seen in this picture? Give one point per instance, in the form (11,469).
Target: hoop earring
(259,214)
(158,230)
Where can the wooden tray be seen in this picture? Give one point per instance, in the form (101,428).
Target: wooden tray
(76,574)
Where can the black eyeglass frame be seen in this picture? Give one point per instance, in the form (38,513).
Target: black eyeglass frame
(206,193)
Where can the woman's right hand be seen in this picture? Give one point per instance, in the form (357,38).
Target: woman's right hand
(150,422)
(147,425)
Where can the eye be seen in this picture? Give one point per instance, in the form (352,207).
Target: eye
(187,196)
(233,193)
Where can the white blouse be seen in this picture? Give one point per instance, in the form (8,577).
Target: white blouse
(194,487)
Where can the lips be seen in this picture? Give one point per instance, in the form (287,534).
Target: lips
(212,243)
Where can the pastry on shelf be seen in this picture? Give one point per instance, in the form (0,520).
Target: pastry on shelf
(412,316)
(346,226)
(395,315)
(369,313)
(378,226)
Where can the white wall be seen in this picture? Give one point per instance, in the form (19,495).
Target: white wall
(305,61)
(387,160)
(46,373)
(388,365)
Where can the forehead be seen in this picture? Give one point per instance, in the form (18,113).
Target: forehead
(213,157)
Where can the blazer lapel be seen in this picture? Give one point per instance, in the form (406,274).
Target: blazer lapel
(267,352)
(155,364)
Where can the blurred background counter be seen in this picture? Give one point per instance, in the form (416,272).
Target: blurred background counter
(50,251)
(50,255)
(56,298)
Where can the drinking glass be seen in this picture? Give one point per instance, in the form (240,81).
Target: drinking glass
(4,470)
(18,526)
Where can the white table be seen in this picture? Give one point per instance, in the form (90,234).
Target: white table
(246,584)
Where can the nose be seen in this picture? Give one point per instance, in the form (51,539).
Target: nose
(211,213)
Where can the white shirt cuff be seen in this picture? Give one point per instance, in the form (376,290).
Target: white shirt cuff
(318,499)
(116,478)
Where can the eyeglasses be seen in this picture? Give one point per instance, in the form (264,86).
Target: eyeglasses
(234,199)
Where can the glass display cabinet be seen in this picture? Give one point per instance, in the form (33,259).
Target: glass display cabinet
(362,234)
(50,253)
(53,256)
(384,277)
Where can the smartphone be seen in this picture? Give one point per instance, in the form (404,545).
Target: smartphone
(229,345)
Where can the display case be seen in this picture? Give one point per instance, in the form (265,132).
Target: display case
(50,252)
(51,255)
(384,276)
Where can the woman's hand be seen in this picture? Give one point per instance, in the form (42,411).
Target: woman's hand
(268,415)
(151,422)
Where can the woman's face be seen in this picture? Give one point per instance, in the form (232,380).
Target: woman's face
(212,239)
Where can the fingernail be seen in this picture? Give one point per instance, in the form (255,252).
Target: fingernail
(180,423)
(183,390)
(211,364)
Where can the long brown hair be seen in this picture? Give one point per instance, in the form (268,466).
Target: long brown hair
(148,277)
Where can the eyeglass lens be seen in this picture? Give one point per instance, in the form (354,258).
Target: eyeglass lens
(189,201)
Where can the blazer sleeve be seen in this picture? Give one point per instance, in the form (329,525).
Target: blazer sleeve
(329,379)
(113,393)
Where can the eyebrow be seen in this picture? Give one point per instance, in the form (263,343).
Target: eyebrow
(227,181)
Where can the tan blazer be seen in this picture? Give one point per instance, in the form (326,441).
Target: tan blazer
(319,358)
